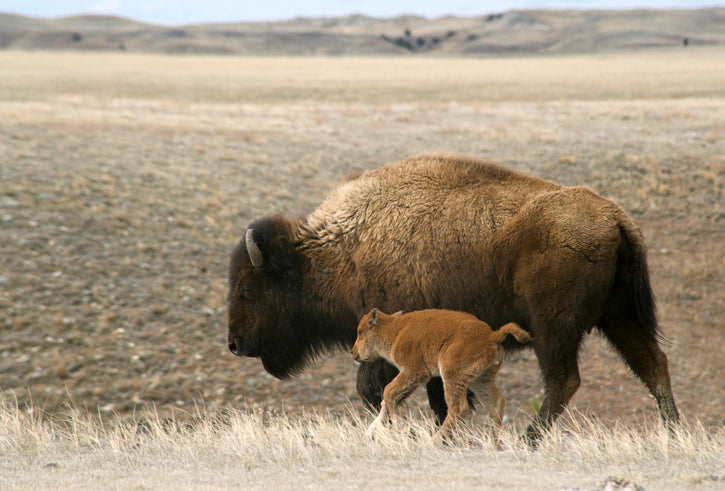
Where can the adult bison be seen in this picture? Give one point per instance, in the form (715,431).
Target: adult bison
(452,233)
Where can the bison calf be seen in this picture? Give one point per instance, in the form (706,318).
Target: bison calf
(455,346)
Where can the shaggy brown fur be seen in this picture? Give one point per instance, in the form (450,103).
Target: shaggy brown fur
(458,234)
(456,346)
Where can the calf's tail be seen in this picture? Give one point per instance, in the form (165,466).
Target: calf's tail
(515,330)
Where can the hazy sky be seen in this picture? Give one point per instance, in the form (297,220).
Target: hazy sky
(174,12)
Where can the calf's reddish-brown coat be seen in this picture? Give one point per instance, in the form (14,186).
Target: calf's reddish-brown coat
(458,234)
(455,346)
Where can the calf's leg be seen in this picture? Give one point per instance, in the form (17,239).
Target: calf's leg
(398,390)
(492,402)
(437,400)
(455,388)
(395,393)
(381,420)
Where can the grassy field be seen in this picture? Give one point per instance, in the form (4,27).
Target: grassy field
(125,180)
(369,81)
(261,450)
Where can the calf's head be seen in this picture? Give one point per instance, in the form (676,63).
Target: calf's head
(365,347)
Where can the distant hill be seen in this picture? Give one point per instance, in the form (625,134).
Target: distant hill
(525,32)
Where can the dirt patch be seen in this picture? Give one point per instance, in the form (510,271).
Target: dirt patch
(118,215)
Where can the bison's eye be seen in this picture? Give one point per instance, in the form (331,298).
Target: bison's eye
(247,291)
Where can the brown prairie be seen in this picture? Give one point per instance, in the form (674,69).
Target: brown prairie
(123,150)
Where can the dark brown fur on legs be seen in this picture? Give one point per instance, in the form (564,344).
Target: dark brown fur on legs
(372,377)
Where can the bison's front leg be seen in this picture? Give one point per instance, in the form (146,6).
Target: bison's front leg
(436,399)
(372,377)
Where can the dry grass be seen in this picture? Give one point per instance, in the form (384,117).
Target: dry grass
(637,75)
(260,450)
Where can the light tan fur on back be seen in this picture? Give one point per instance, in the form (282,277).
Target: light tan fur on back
(464,351)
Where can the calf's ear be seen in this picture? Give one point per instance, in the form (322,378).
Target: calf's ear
(373,318)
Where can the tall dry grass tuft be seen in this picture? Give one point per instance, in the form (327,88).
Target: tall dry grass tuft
(645,447)
(256,448)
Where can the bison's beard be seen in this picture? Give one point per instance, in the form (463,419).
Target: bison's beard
(279,367)
(304,339)
(283,364)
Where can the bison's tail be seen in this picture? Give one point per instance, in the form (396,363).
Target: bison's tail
(515,330)
(632,279)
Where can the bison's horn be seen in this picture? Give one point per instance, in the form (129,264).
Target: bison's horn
(255,255)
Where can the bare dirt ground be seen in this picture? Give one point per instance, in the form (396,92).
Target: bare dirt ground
(125,181)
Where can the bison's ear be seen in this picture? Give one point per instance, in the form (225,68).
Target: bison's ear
(268,244)
(281,256)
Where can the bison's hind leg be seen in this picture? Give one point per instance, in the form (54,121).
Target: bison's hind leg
(643,355)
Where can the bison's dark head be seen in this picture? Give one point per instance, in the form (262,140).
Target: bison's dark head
(264,301)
